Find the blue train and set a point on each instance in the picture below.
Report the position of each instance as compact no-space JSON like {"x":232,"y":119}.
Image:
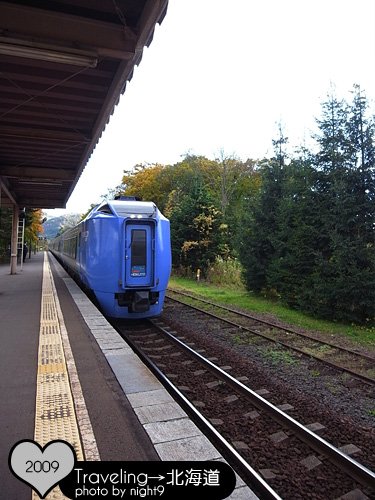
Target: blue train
{"x":121,"y":252}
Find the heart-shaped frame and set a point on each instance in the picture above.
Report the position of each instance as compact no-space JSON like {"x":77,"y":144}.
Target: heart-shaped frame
{"x":28,"y":445}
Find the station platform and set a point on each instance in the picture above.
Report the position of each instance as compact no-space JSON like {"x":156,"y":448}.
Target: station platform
{"x":66,"y":374}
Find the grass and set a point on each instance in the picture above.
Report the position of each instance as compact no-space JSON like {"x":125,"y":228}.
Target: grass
{"x":253,"y":303}
{"x":321,"y":349}
{"x":243,"y":339}
{"x":277,"y":356}
{"x":332,"y":387}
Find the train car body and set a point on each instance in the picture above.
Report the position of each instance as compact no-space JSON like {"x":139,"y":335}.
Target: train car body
{"x":122,"y":253}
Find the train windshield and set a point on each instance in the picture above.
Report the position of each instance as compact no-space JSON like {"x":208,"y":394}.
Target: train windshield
{"x":138,"y":252}
{"x":128,"y":208}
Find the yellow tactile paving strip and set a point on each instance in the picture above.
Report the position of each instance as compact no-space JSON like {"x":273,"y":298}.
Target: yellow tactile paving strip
{"x":56,"y":411}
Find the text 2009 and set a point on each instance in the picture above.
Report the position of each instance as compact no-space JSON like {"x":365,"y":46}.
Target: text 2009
{"x":39,"y":466}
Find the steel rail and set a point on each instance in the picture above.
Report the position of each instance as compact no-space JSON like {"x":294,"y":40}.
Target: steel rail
{"x":252,"y":478}
{"x":365,"y":379}
{"x":274,"y":325}
{"x":353,"y":468}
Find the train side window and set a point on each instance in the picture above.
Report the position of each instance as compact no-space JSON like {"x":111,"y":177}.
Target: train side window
{"x":138,"y":252}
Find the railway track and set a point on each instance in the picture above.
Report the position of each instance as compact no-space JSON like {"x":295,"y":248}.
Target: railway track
{"x":356,"y":364}
{"x":274,"y":453}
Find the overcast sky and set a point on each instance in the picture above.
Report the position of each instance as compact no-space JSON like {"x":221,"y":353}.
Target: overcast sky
{"x":219,"y":75}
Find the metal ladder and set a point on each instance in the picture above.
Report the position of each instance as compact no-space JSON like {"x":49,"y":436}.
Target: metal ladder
{"x":20,"y":239}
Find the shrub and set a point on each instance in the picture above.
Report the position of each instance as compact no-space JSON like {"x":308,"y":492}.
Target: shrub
{"x":226,"y":272}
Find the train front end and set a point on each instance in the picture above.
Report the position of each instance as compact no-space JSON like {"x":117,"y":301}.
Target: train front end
{"x":134,"y":277}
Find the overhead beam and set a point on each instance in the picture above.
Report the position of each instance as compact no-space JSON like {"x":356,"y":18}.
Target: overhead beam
{"x":44,"y":134}
{"x":7,"y":191}
{"x":43,"y":203}
{"x":92,"y":86}
{"x":108,"y":39}
{"x":5,"y":202}
{"x":37,"y":173}
{"x":58,"y":94}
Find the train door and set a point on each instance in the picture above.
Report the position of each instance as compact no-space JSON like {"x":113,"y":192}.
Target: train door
{"x":139,"y":255}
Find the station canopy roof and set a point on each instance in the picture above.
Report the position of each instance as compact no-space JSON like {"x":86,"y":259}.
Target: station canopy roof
{"x":63,"y":66}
